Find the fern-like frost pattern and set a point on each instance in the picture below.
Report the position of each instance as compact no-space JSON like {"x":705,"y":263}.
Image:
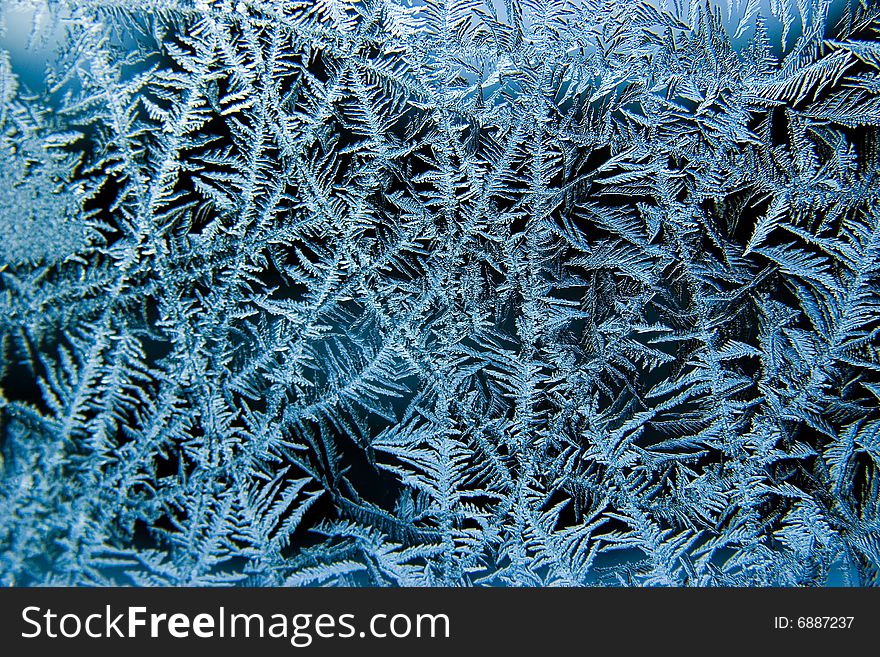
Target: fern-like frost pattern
{"x":443,"y":292}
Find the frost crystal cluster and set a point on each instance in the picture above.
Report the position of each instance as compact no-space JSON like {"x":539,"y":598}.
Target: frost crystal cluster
{"x":453,"y":292}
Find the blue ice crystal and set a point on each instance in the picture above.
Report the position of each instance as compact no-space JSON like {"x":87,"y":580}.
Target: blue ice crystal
{"x":466,"y":292}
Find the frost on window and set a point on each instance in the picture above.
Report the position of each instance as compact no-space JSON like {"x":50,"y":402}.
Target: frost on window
{"x":471,"y":292}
